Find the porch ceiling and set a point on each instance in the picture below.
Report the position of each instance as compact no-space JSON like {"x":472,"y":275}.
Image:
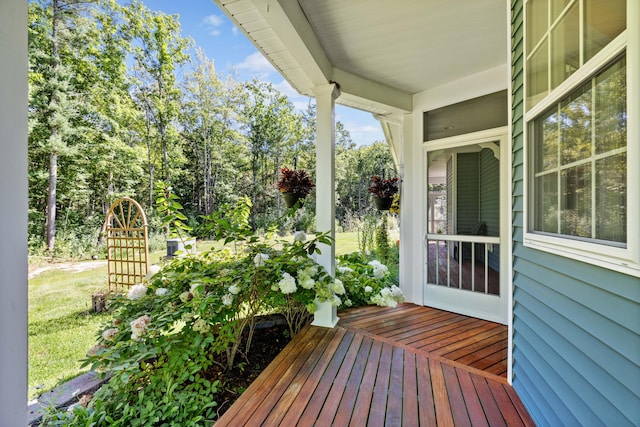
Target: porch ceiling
{"x":380,"y":52}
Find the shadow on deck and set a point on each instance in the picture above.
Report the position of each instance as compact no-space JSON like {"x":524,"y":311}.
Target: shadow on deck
{"x":407,"y":366}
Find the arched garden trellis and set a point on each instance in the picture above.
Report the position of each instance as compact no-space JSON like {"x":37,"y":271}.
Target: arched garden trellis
{"x":126,"y":229}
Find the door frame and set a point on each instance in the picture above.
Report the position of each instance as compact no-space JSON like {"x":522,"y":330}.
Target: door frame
{"x":498,"y":309}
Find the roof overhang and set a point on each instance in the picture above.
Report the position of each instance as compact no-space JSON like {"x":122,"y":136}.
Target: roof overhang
{"x":379,"y":53}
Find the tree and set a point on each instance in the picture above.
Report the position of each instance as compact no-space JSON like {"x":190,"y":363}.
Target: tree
{"x":357,"y":167}
{"x":158,"y":52}
{"x":55,"y":93}
{"x":273,"y":129}
{"x":215,"y":148}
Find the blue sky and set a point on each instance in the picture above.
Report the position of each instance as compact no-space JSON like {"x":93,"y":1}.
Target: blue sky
{"x":234,"y":55}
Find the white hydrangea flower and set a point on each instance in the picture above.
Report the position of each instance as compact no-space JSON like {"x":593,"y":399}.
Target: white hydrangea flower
{"x":260,"y":259}
{"x":153,"y":270}
{"x":299,"y":236}
{"x":312,"y":270}
{"x":161,"y":291}
{"x":385,"y":298}
{"x":234,"y":289}
{"x":288,"y":284}
{"x":95,"y":350}
{"x":139,"y":327}
{"x":109,"y":334}
{"x":335,"y":301}
{"x":379,"y":269}
{"x":396,"y":292}
{"x":368,"y":289}
{"x":227,"y":299}
{"x":200,"y":326}
{"x":185,"y":296}
{"x":344,"y":269}
{"x":194,"y":288}
{"x":307,"y":282}
{"x":338,"y":287}
{"x":137,"y":291}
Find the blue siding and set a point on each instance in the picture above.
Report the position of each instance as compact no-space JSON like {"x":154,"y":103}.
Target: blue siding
{"x":576,"y":326}
{"x":490,"y":201}
{"x":467,"y":195}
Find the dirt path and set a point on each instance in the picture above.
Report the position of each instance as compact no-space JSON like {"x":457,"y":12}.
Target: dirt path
{"x":75,"y":267}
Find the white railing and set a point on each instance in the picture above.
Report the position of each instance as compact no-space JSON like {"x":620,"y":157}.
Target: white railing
{"x":456,"y":253}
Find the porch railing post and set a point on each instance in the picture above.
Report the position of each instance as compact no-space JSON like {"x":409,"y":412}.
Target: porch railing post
{"x":326,"y":315}
{"x":13,"y":227}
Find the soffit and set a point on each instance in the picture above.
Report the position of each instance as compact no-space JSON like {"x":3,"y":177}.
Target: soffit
{"x":411,"y":45}
{"x":380,"y":52}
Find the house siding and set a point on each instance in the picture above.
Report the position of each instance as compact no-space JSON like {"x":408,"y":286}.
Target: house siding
{"x":576,"y":327}
{"x":490,"y":201}
{"x":450,"y":213}
{"x":467,"y":192}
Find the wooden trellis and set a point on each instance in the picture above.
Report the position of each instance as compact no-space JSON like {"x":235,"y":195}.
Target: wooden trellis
{"x":126,"y":230}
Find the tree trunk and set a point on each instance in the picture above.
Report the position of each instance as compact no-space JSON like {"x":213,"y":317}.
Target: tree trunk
{"x":51,"y":203}
{"x":53,"y":158}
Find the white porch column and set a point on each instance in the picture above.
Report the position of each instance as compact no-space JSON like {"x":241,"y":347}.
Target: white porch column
{"x":13,"y":227}
{"x":412,"y":204}
{"x":326,"y":315}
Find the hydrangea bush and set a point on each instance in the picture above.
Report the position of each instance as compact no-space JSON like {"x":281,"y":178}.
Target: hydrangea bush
{"x":172,"y":336}
{"x":367,"y":281}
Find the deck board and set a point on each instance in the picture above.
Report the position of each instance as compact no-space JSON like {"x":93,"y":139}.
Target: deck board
{"x":360,"y":374}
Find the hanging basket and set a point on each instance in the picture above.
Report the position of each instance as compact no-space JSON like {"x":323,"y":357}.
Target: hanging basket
{"x":383,"y":203}
{"x":290,"y":199}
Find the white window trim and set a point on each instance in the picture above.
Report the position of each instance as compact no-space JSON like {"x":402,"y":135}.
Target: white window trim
{"x":623,"y":260}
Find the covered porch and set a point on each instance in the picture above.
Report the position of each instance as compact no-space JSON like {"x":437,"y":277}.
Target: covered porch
{"x":408,"y":365}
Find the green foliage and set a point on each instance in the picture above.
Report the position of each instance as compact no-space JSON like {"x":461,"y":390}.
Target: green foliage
{"x":354,"y":168}
{"x":366,"y":233}
{"x":382,"y":239}
{"x":169,"y":207}
{"x":367,"y":281}
{"x":107,"y":109}
{"x":170,"y":336}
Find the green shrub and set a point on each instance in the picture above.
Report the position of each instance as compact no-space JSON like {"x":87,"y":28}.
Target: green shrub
{"x":367,"y":281}
{"x":382,"y":239}
{"x":172,"y":338}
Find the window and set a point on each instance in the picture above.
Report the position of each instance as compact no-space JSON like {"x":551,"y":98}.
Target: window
{"x":579,"y":161}
{"x":555,"y":49}
{"x":577,"y":131}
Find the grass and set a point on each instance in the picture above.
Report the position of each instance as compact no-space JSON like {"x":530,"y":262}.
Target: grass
{"x":62,"y":326}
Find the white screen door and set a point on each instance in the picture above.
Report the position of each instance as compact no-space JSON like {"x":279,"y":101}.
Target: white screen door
{"x":465,"y":244}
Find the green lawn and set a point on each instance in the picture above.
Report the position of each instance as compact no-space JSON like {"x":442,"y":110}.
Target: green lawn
{"x":62,"y":326}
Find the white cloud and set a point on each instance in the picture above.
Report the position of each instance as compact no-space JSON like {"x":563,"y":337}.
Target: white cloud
{"x":286,"y":89}
{"x":256,"y":65}
{"x":362,"y":127}
{"x":213,"y":23}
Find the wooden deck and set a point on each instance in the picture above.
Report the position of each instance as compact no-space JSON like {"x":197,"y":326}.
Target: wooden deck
{"x":407,"y":366}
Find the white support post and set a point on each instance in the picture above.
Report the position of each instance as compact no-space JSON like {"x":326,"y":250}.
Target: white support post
{"x":13,"y":227}
{"x":326,"y":315}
